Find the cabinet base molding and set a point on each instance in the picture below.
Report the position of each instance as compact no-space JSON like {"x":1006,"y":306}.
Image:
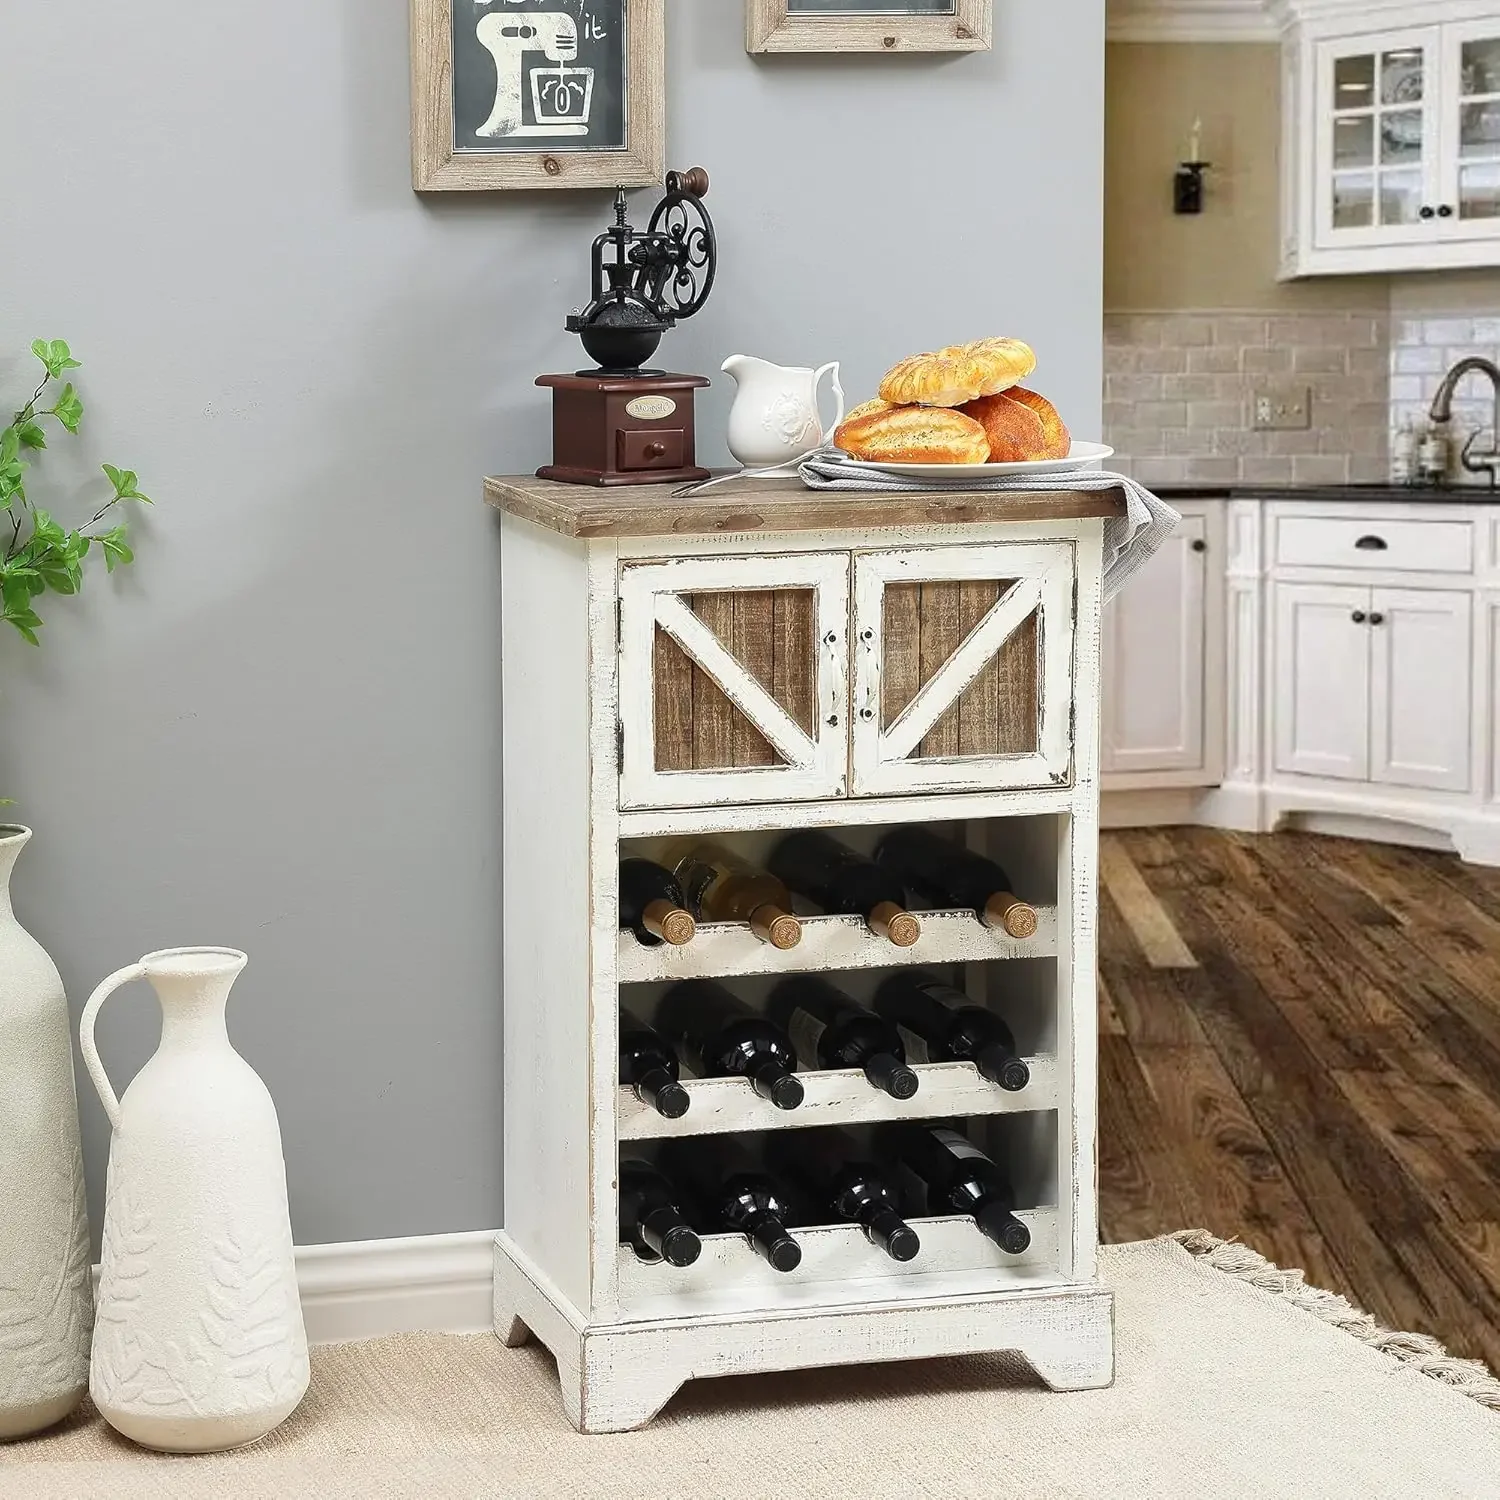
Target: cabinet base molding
{"x":1235,"y":805}
{"x":617,"y":1377}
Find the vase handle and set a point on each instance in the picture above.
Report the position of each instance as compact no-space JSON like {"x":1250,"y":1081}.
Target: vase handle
{"x":86,"y":1039}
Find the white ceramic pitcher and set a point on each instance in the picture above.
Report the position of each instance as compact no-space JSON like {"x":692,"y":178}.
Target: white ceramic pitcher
{"x":774,"y":419}
{"x":198,"y":1336}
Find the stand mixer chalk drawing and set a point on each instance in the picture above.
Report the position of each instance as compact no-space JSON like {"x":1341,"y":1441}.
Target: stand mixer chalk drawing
{"x":561,"y":96}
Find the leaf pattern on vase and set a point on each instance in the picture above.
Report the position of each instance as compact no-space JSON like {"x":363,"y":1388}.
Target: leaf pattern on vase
{"x":46,"y":1307}
{"x":243,"y":1350}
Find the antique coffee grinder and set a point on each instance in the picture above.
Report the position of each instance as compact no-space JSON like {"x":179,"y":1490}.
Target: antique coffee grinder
{"x":619,"y":423}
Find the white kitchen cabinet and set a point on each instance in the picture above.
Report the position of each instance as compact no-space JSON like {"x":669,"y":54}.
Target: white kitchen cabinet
{"x":1391,"y":137}
{"x":1163,"y":661}
{"x":1421,"y":675}
{"x":1321,"y":680}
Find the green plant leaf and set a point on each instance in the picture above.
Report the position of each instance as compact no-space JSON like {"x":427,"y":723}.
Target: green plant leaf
{"x":31,"y":435}
{"x":115,"y":548}
{"x":10,"y":445}
{"x":26,"y":620}
{"x":68,"y":408}
{"x":55,"y":355}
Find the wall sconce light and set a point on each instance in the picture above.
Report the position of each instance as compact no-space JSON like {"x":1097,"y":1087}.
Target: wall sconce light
{"x":1187,"y":183}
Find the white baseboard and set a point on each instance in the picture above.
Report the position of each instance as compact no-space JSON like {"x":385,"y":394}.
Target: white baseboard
{"x":365,"y":1289}
{"x":440,"y":1283}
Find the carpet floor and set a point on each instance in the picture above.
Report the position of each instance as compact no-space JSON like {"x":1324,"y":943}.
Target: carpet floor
{"x":1231,"y":1381}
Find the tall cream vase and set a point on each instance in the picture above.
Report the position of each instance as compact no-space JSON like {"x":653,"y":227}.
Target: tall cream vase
{"x":45,"y":1293}
{"x":198,"y":1342}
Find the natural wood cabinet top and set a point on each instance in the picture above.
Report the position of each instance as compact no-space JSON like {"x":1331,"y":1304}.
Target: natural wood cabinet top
{"x":773,"y":505}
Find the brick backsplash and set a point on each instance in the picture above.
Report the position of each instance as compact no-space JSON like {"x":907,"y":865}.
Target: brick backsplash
{"x":1423,"y":347}
{"x":1179,"y":395}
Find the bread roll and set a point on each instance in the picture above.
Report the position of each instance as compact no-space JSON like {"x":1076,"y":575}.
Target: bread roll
{"x":913,"y":435}
{"x":1059,"y":440}
{"x":1013,"y":431}
{"x":959,"y":373}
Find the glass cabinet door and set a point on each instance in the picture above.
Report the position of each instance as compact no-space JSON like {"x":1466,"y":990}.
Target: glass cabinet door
{"x":1377,"y":150}
{"x":1470,"y":206}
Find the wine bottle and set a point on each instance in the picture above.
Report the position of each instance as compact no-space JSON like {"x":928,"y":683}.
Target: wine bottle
{"x":733,"y":1194}
{"x":944,"y":873}
{"x":956,"y":1177}
{"x":838,"y":1179}
{"x":719,"y":1036}
{"x":838,"y":879}
{"x":834,"y":1030}
{"x":651,"y":904}
{"x":939,"y":1023}
{"x":651,"y":1222}
{"x":719,"y":886}
{"x":649,"y":1066}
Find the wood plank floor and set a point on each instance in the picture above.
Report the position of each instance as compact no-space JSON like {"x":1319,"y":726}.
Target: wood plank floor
{"x":1301,"y":1049}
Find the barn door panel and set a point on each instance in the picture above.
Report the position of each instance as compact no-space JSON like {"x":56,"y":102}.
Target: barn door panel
{"x":734,"y":680}
{"x":963,"y":668}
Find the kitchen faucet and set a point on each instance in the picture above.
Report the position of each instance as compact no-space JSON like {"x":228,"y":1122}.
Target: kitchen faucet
{"x":1485,"y":460}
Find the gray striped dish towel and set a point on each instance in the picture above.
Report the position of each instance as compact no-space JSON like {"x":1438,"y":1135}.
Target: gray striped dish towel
{"x":1129,"y":540}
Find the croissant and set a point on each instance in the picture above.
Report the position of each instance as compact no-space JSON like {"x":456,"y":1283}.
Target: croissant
{"x":912,"y":435}
{"x":958,"y":373}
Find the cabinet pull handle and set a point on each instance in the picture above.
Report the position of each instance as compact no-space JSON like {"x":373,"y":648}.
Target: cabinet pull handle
{"x":1425,"y":212}
{"x":1199,"y":545}
{"x":1358,"y":617}
{"x":1371,"y":544}
{"x":1377,"y":618}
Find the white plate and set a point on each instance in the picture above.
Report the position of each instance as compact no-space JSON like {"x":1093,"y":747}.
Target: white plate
{"x":1080,"y":457}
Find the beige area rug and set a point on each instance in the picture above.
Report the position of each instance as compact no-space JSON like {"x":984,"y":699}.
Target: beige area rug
{"x":1232,"y":1380}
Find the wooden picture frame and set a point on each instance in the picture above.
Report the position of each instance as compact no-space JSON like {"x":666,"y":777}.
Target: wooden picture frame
{"x":777,"y":26}
{"x":594,"y":115}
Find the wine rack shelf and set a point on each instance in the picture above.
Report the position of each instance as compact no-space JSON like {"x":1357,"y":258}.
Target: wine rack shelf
{"x":839,"y":1097}
{"x":855,"y":669}
{"x":724,"y":950}
{"x":838,"y":1260}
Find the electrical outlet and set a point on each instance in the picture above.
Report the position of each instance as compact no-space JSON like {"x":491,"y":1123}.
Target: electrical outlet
{"x":1284,"y":409}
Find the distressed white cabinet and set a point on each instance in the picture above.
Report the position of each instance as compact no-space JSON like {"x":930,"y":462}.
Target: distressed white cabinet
{"x":759,"y":659}
{"x":1391,"y":151}
{"x":1163,"y":662}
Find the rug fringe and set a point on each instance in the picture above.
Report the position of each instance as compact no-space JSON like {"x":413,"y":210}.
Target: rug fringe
{"x":1467,"y":1376}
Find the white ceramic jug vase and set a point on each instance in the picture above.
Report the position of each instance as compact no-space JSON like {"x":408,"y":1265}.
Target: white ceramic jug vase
{"x":45,"y":1291}
{"x":198,"y":1339}
{"x":774,"y":420}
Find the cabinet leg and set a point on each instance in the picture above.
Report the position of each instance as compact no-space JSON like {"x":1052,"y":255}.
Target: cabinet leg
{"x":1081,"y":1360}
{"x":512,"y":1331}
{"x":604,"y":1397}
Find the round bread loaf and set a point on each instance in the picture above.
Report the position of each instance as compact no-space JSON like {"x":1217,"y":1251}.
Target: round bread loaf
{"x":913,"y":435}
{"x":1013,"y":431}
{"x":959,"y":373}
{"x":1054,"y":430}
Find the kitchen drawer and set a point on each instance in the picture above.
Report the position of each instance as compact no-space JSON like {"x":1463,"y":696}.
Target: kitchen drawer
{"x":1375,"y":546}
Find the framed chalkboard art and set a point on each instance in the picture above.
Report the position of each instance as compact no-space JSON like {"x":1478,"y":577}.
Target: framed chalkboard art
{"x":536,"y":94}
{"x":872,"y":26}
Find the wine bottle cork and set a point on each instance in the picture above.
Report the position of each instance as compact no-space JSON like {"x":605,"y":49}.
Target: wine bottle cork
{"x":887,"y":920}
{"x":1012,"y":916}
{"x":670,"y":923}
{"x":777,"y":927}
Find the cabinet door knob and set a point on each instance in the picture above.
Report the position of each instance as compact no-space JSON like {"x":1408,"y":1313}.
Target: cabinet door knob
{"x":1377,"y":618}
{"x":1445,"y":211}
{"x":1358,"y":617}
{"x":1371,"y":544}
{"x":1199,"y":545}
{"x":655,"y":450}
{"x":1425,"y":212}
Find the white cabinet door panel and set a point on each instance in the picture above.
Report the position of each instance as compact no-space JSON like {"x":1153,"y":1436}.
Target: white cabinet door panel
{"x":1153,"y":661}
{"x":1421,"y":688}
{"x":1322,"y":680}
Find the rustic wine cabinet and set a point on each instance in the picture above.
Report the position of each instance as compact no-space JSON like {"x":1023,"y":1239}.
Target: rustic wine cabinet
{"x":756,"y":659}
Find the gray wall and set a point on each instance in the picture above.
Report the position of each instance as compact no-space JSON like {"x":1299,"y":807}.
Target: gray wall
{"x":280,"y":730}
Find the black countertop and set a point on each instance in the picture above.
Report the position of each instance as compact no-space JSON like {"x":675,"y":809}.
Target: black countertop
{"x":1369,"y":493}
